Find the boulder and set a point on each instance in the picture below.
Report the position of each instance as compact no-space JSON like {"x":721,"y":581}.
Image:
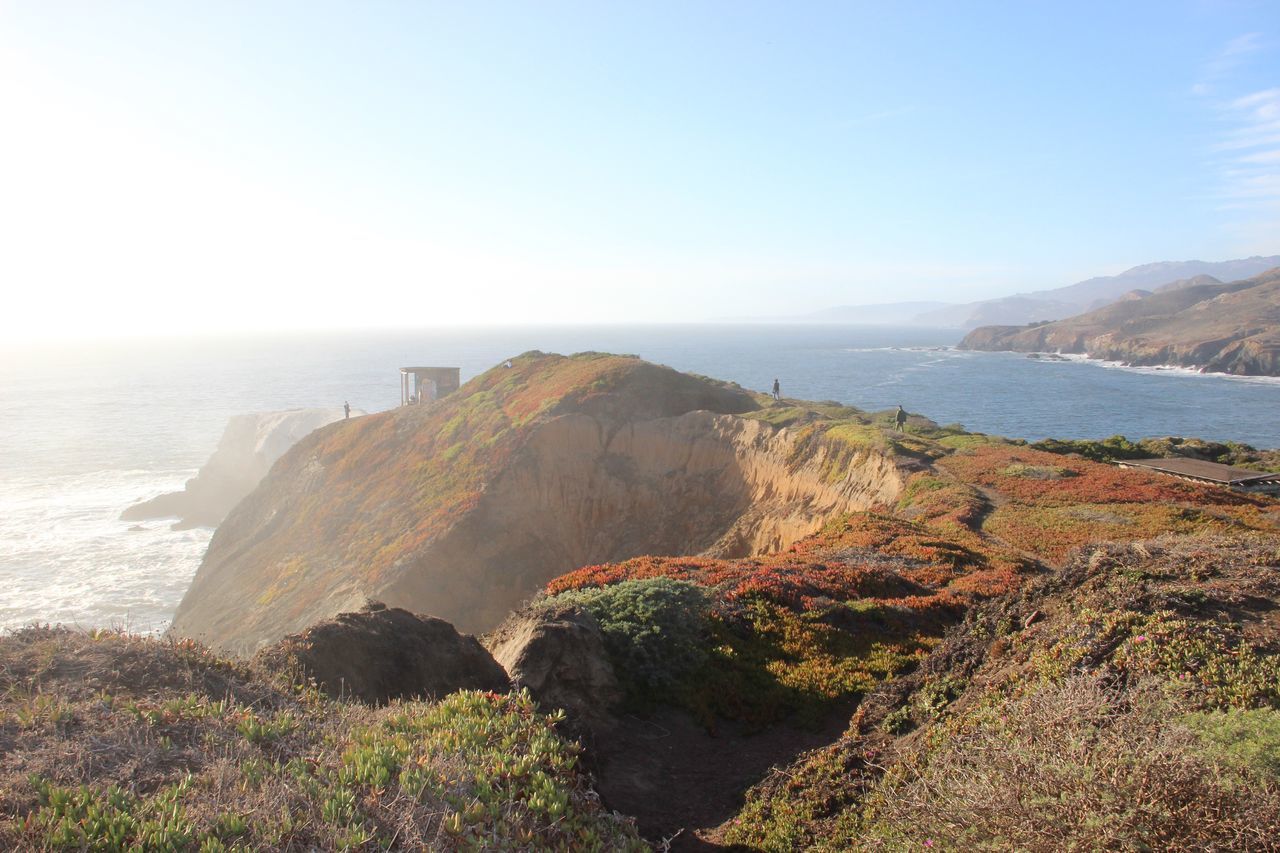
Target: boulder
{"x":558,"y":654}
{"x":380,"y":653}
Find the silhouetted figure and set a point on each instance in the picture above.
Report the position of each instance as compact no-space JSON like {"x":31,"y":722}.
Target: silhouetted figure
{"x":900,"y":418}
{"x":777,"y":390}
{"x":346,"y":410}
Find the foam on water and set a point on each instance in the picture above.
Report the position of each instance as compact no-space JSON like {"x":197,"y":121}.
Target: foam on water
{"x":1165,"y":369}
{"x":68,"y":558}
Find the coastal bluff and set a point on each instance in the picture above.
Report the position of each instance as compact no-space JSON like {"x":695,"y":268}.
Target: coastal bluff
{"x":249,"y":446}
{"x":466,"y":507}
{"x":1199,"y":323}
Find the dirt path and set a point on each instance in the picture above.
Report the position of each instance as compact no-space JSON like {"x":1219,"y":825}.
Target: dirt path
{"x":674,"y":777}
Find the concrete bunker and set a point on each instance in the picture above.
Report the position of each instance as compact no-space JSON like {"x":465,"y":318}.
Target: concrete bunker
{"x":424,"y":384}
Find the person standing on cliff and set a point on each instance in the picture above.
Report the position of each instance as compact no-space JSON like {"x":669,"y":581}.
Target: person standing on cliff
{"x":900,"y":419}
{"x":777,"y":390}
{"x":346,"y":410}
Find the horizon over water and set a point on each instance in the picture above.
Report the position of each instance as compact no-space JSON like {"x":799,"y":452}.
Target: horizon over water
{"x":90,"y":429}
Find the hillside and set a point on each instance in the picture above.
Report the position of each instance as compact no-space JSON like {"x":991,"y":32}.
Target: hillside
{"x":465,"y":507}
{"x":113,"y":742}
{"x":1090,"y":294}
{"x":1225,"y":328}
{"x":772,"y":624}
{"x":805,"y":634}
{"x":1128,"y":701}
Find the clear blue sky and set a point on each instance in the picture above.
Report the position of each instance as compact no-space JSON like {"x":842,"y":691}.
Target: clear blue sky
{"x":235,"y":165}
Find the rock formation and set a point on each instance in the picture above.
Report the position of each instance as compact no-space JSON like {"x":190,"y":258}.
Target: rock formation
{"x":558,"y":653}
{"x":1201,"y":323}
{"x":249,"y":446}
{"x":380,"y":653}
{"x":464,"y":508}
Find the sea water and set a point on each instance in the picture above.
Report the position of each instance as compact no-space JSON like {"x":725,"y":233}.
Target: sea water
{"x":87,"y":430}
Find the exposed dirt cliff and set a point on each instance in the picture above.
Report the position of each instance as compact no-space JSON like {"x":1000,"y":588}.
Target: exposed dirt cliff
{"x":465,"y":508}
{"x":1222,"y":328}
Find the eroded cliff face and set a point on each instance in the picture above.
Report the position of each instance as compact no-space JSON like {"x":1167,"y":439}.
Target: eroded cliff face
{"x":465,"y":509}
{"x":586,"y":491}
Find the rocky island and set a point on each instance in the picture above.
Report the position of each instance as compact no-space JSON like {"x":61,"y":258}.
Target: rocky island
{"x":1199,"y":323}
{"x":706,"y":619}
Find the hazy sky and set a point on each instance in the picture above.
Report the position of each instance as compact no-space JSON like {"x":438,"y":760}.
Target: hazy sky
{"x":182,"y":166}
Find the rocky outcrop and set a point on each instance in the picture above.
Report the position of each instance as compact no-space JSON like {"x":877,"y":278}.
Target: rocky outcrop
{"x":1201,"y":323}
{"x":380,"y":653}
{"x":467,"y":507}
{"x":558,"y":654}
{"x":249,"y":446}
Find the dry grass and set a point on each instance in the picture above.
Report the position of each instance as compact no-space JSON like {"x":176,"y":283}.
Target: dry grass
{"x":114,"y":742}
{"x":1076,"y":765}
{"x":1130,"y":698}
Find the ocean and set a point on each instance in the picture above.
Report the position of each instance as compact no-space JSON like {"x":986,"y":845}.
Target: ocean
{"x":89,"y":429}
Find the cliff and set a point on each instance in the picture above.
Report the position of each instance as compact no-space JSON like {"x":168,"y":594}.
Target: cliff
{"x":249,"y":446}
{"x":1200,"y":323}
{"x":893,"y":639}
{"x":464,"y":508}
{"x":805,"y":633}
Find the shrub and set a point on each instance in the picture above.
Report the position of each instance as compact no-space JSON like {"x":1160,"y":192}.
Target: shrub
{"x":1248,"y":738}
{"x":1106,"y":450}
{"x":653,"y":628}
{"x":1087,"y":766}
{"x":140,"y":744}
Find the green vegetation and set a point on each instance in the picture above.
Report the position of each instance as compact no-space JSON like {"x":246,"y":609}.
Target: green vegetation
{"x":1246,"y":738}
{"x":734,"y":650}
{"x":124,"y":746}
{"x":1087,"y":765}
{"x":1118,"y":447}
{"x":1018,"y":684}
{"x":1127,"y":701}
{"x":655,"y":629}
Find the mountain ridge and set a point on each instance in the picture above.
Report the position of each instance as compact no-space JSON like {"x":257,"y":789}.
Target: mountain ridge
{"x":1050,"y":304}
{"x":1198,"y":323}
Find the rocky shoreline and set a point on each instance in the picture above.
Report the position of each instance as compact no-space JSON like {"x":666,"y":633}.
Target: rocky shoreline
{"x":1206,"y":325}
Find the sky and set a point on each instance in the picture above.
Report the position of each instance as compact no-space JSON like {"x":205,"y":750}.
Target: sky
{"x":182,"y":167}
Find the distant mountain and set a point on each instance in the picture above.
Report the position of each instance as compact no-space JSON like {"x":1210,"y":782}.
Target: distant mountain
{"x":1054,"y":304}
{"x":1091,"y":294}
{"x":1187,"y":282}
{"x":1199,"y":322}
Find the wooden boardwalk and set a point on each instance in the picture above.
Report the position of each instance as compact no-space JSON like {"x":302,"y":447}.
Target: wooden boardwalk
{"x":1199,"y":471}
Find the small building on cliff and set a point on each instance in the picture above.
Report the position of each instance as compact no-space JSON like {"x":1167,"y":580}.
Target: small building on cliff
{"x":424,"y":384}
{"x":1212,"y":473}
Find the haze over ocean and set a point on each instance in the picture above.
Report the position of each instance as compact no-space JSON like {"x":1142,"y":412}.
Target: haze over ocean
{"x":88,"y":431}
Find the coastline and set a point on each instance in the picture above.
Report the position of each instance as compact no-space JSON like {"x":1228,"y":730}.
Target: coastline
{"x":1152,"y":370}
